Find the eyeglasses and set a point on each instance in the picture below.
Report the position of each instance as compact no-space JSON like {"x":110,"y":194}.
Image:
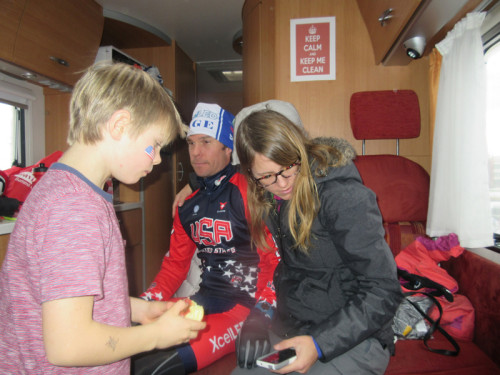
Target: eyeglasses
{"x":268,"y":180}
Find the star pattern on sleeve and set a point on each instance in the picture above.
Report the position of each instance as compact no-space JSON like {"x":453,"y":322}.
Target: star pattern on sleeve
{"x":240,"y":276}
{"x":159,"y":296}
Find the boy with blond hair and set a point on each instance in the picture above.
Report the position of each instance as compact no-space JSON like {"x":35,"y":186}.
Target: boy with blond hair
{"x":64,"y":304}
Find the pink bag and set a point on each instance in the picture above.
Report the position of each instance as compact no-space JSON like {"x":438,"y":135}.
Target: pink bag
{"x":422,"y":257}
{"x":458,"y":317}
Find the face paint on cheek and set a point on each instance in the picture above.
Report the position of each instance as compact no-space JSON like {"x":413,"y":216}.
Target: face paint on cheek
{"x":150,"y":151}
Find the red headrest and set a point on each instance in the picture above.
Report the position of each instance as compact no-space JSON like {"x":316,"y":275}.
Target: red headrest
{"x":385,"y":114}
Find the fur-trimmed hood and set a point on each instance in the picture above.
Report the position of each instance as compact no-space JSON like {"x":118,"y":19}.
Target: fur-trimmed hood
{"x":345,"y":168}
{"x":347,"y":152}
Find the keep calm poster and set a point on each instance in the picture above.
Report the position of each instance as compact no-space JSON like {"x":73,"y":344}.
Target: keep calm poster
{"x":312,"y":49}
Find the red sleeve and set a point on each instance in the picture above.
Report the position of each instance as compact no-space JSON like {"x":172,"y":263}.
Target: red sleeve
{"x":175,"y":265}
{"x":268,"y":261}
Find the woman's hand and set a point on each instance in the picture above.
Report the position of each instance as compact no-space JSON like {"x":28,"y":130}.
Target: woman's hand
{"x":306,"y":351}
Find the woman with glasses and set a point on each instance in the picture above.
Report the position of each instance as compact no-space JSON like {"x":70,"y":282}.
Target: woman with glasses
{"x":336,"y":285}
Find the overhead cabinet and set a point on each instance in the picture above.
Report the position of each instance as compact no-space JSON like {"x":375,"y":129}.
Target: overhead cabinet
{"x":58,"y":39}
{"x":385,"y":20}
{"x":392,"y":23}
{"x":11,"y":12}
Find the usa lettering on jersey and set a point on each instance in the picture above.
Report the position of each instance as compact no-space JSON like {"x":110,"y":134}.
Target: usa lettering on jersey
{"x":209,"y":232}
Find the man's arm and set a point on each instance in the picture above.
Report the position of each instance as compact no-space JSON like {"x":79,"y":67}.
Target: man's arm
{"x":175,"y":265}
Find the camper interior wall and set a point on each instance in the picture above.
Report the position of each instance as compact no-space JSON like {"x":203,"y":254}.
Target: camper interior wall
{"x":324,"y":105}
{"x":35,"y":118}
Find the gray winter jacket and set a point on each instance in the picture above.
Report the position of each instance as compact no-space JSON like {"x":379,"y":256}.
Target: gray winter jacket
{"x":346,"y":290}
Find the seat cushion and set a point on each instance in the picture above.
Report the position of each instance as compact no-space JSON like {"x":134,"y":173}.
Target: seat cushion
{"x":412,"y":357}
{"x":478,"y":280}
{"x":401,"y":186}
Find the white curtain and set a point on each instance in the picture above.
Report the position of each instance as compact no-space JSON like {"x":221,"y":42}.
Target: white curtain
{"x":459,"y":192}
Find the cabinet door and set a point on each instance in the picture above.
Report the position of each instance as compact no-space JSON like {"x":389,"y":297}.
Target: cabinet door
{"x":4,"y":241}
{"x":131,"y":227}
{"x":258,"y":51}
{"x":59,"y":38}
{"x":10,"y":17}
{"x":384,"y":33}
{"x":56,"y":120}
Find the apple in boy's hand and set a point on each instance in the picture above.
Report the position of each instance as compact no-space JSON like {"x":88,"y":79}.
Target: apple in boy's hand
{"x":194,"y":311}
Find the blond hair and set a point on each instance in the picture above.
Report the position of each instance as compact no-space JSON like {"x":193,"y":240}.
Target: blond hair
{"x":106,"y":88}
{"x":274,"y":136}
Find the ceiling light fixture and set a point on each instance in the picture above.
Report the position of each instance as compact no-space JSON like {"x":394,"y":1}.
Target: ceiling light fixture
{"x":415,"y":47}
{"x":233,"y":75}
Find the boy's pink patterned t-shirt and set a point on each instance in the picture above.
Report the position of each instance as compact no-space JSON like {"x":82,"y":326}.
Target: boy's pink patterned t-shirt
{"x":66,"y":243}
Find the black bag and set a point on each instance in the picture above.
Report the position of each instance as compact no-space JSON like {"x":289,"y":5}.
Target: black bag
{"x":416,"y":282}
{"x":8,"y":206}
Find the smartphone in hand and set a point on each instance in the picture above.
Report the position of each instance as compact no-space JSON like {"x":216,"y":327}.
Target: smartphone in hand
{"x":277,"y":359}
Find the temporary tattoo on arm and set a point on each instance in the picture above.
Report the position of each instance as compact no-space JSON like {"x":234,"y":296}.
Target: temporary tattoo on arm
{"x":112,"y":343}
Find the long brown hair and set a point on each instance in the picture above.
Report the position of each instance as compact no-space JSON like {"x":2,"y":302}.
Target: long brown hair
{"x":272,"y":135}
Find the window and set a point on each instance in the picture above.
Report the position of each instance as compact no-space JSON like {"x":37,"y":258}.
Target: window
{"x":491,"y":39}
{"x":12,"y":143}
{"x":493,"y":129}
{"x":22,"y":122}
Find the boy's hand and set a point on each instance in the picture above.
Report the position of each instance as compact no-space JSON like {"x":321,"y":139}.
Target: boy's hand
{"x":154,"y":311}
{"x":306,"y":351}
{"x":173,"y":329}
{"x":194,"y":311}
{"x":144,"y":312}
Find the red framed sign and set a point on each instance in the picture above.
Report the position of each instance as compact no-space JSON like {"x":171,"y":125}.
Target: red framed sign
{"x":312,"y":49}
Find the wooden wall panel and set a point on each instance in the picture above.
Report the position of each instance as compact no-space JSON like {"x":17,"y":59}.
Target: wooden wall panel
{"x":324,"y":105}
{"x":56,"y":120}
{"x":251,"y":50}
{"x":258,"y":45}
